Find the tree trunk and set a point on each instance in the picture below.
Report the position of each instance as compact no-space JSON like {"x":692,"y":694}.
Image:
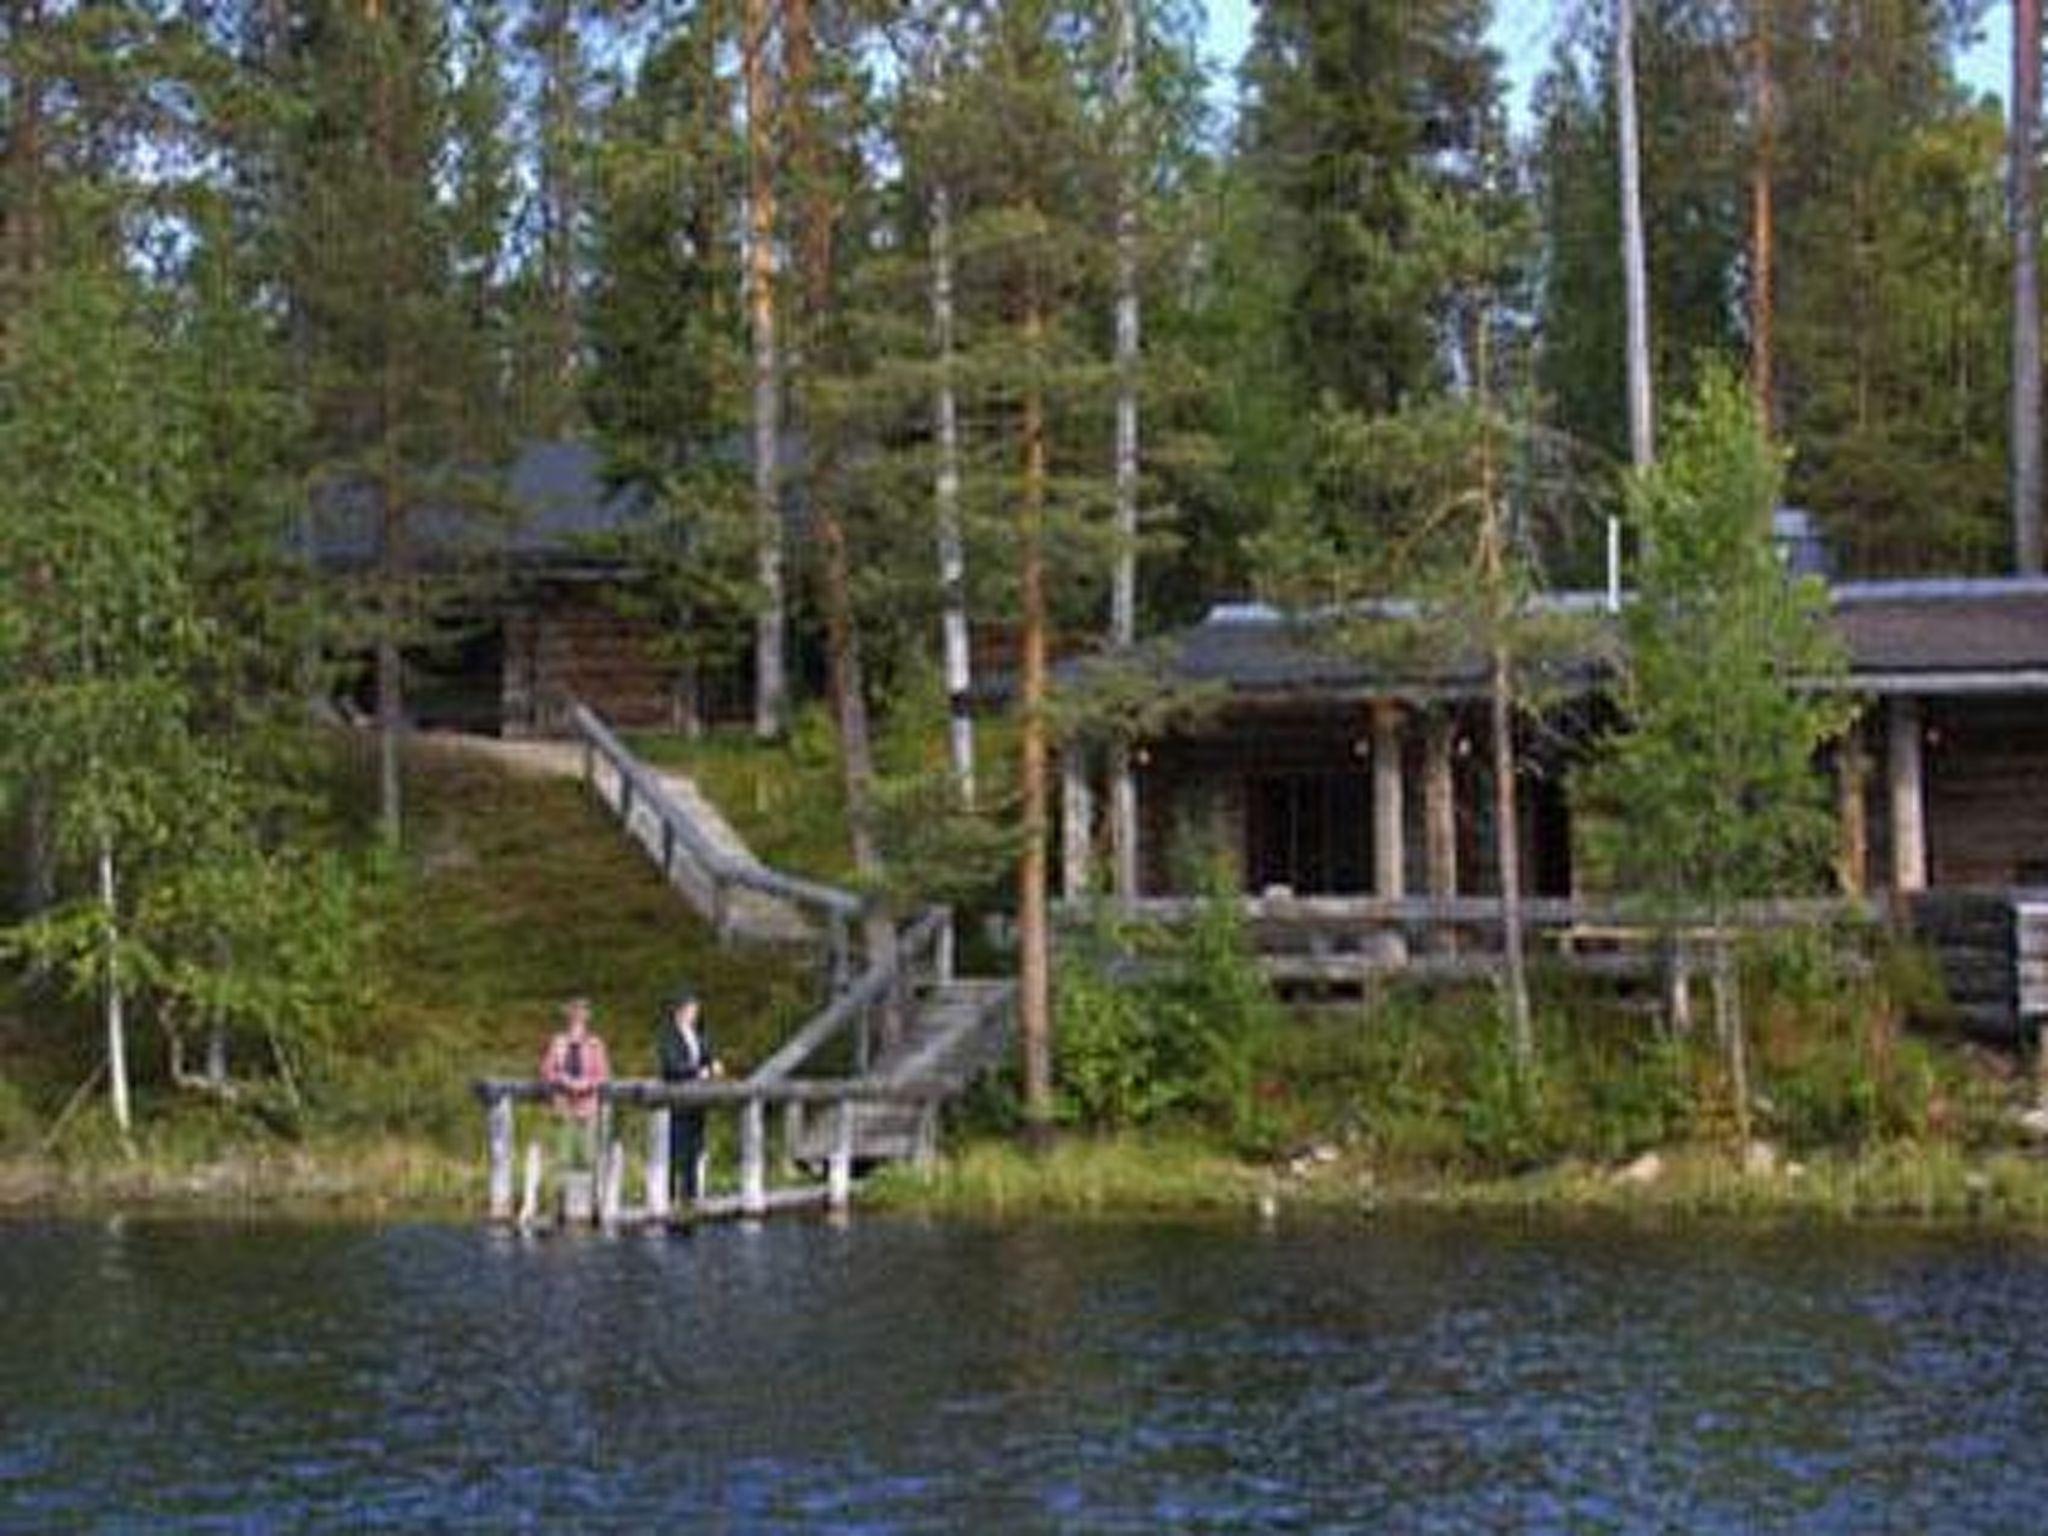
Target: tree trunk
{"x":842,"y":635}
{"x":393,"y":556}
{"x":390,"y":726}
{"x":1507,"y":833}
{"x":561,"y":97}
{"x":1634,"y":275}
{"x":1763,"y":168}
{"x":2023,"y":155}
{"x":21,"y":200}
{"x":1728,"y":1026}
{"x":1123,"y":610}
{"x":771,"y":682}
{"x":393,"y":564}
{"x":21,"y":260}
{"x":1501,"y":615}
{"x":1123,"y":799}
{"x":37,"y":890}
{"x":1034,"y":936}
{"x":117,"y":1026}
{"x":946,"y":503}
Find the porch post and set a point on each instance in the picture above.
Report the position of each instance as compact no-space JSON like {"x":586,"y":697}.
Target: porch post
{"x":1439,"y":805}
{"x":1852,"y":775}
{"x":1123,"y":822}
{"x":1077,"y":822}
{"x":1906,"y":769}
{"x":1389,"y":852}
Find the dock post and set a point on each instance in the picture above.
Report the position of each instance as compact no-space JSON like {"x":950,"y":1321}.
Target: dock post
{"x":792,"y":1134}
{"x":529,"y":1198}
{"x":498,"y":1125}
{"x":657,"y":1163}
{"x":839,"y":1182}
{"x":611,"y":1185}
{"x":753,"y":1158}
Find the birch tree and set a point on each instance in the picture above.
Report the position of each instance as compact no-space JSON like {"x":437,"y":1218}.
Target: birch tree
{"x":2023,"y":166}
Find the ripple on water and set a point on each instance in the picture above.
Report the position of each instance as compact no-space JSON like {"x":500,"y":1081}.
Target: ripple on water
{"x":1414,"y":1376}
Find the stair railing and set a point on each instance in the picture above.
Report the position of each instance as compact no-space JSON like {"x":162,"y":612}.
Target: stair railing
{"x":707,"y":875}
{"x":924,"y":951}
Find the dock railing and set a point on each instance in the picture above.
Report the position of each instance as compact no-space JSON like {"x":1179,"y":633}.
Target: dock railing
{"x":516,"y":1190}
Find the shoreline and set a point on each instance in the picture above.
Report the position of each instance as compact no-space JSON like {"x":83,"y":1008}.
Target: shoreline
{"x":1130,"y":1178}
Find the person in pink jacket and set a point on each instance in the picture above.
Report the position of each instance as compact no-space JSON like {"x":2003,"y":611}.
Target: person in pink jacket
{"x":574,"y":1067}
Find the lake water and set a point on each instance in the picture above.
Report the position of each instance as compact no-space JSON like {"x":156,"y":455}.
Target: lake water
{"x":895,"y":1376}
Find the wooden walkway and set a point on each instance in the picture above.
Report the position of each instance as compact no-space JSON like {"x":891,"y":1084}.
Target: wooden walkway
{"x":862,"y":1083}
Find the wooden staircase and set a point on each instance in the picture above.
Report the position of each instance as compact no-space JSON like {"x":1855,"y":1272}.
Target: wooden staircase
{"x":957,"y":1030}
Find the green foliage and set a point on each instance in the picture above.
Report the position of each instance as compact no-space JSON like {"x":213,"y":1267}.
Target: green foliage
{"x":1361,"y":119}
{"x":1725,"y":704}
{"x":1688,"y":92}
{"x":1152,"y":1025}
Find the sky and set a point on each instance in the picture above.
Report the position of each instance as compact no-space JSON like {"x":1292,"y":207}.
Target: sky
{"x":1525,"y":31}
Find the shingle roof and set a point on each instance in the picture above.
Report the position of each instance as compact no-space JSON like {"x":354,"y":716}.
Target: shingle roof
{"x":556,"y":505}
{"x":1896,"y":632}
{"x":1949,"y":626}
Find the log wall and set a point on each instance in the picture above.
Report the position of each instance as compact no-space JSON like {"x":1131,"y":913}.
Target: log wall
{"x":1987,"y":792}
{"x":568,"y":641}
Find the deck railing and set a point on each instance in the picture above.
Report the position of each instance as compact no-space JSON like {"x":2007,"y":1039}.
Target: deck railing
{"x":1314,"y":939}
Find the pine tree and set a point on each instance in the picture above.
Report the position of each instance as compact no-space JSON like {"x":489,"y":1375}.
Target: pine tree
{"x":1892,"y":321}
{"x":399,"y":370}
{"x":1688,"y":92}
{"x":667,"y":389}
{"x":1358,"y":115}
{"x":759,"y":23}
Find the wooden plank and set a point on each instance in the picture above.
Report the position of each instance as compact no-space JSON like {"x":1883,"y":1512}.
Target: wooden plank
{"x":611,"y":1185}
{"x":797,"y":1197}
{"x":529,"y":1198}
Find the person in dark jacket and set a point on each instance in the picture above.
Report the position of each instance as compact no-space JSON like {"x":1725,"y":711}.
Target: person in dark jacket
{"x":684,"y":1054}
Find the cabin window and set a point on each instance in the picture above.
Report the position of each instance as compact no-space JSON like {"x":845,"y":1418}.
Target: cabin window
{"x":1311,"y":832}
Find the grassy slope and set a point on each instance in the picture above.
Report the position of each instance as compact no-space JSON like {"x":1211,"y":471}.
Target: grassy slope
{"x":515,"y":892}
{"x":521,"y":893}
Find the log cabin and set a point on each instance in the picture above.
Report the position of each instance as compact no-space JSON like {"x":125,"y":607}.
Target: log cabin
{"x":1324,"y":772}
{"x":543,"y":610}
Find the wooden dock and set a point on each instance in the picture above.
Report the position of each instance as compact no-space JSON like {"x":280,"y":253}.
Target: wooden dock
{"x":630,"y":1184}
